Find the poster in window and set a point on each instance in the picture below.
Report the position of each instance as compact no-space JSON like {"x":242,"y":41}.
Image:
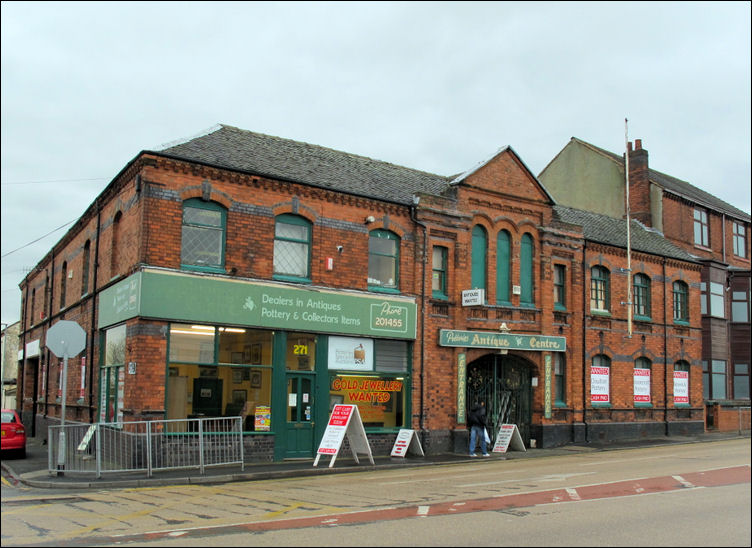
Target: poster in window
{"x":641,"y":385}
{"x":599,"y":384}
{"x":681,"y":387}
{"x":256,"y":354}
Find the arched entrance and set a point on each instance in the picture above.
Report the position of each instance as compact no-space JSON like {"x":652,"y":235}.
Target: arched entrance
{"x":504,"y":383}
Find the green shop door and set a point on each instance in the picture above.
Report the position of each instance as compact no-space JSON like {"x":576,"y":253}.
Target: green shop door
{"x":299,"y":424}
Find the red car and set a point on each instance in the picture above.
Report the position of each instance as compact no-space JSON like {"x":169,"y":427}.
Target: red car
{"x":14,"y":433}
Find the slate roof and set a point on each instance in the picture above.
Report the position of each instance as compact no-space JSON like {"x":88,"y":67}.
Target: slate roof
{"x":677,"y":186}
{"x":232,"y":148}
{"x":610,"y":231}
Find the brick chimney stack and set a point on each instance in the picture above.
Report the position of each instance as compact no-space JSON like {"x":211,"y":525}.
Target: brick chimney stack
{"x":639,"y":183}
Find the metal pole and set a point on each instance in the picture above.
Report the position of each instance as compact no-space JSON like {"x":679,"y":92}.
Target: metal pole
{"x":629,"y":238}
{"x":61,"y":447}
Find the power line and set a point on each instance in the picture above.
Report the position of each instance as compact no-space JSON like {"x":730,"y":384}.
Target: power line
{"x":51,"y":181}
{"x":40,"y":238}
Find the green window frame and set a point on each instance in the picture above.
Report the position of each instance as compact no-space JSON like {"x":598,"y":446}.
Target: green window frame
{"x":526,"y":271}
{"x":560,"y":379}
{"x":681,"y":302}
{"x":479,"y":257}
{"x":641,"y":296}
{"x":560,"y":287}
{"x":112,"y":361}
{"x":600,"y":289}
{"x":203,"y":236}
{"x":439,"y":272}
{"x":292,"y":248}
{"x":383,"y":261}
{"x":503,"y":266}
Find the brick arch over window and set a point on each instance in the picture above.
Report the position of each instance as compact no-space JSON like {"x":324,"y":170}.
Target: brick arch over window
{"x":294,"y":207}
{"x":206,"y":193}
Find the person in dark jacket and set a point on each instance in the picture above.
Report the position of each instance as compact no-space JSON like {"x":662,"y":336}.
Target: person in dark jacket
{"x":477,"y":421}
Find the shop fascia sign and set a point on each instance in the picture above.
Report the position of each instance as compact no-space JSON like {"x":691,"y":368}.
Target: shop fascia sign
{"x":186,"y":297}
{"x":501,"y":341}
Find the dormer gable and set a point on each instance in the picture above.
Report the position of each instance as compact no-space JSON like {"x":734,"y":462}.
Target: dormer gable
{"x":505,"y":173}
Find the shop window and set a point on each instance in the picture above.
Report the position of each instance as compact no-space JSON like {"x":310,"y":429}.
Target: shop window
{"x":681,"y":383}
{"x":740,"y":240}
{"x":112,"y":375}
{"x":383,"y":261}
{"x":641,"y":297}
{"x":503,"y":267}
{"x":292,"y":248}
{"x":600,"y":291}
{"x":526,"y":270}
{"x":701,"y":228}
{"x":560,"y":379}
{"x":641,"y":382}
{"x":681,"y":302}
{"x":741,"y":381}
{"x":479,"y":258}
{"x":439,"y":273}
{"x":560,"y":281}
{"x":203,"y":235}
{"x":600,"y":380}
{"x":220,"y":371}
{"x":379,"y":389}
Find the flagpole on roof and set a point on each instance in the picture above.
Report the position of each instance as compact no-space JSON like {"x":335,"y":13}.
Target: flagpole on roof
{"x":629,"y":235}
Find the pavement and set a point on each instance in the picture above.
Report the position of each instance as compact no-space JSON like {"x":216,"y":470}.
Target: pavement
{"x":32,"y":471}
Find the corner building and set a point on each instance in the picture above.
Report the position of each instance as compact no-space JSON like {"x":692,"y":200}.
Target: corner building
{"x":236,"y":273}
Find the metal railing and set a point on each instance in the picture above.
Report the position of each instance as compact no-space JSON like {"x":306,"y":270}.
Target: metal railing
{"x":145,"y":446}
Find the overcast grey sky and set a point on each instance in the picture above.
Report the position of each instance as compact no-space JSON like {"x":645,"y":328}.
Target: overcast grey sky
{"x":432,"y":86}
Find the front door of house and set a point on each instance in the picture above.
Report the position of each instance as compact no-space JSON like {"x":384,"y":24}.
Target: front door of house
{"x":299,"y":423}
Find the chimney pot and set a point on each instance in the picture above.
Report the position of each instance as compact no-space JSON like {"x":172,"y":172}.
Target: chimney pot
{"x":638,"y":144}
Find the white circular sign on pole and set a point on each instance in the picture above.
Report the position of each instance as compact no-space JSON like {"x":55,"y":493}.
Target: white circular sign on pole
{"x":66,"y":339}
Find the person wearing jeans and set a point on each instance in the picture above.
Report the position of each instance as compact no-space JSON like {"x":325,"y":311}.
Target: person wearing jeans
{"x":477,"y":422}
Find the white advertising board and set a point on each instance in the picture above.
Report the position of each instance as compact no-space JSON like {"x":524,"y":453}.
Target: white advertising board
{"x":508,"y":436}
{"x":406,"y":442}
{"x":473,"y":297}
{"x":344,"y":421}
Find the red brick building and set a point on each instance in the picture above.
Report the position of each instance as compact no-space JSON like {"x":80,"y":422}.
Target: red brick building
{"x":236,"y":273}
{"x":715,"y":233}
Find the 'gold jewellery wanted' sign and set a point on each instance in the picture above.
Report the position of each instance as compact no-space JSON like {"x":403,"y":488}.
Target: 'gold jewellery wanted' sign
{"x":508,"y":341}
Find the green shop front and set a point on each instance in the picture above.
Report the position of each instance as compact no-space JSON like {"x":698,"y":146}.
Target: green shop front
{"x":280,"y":356}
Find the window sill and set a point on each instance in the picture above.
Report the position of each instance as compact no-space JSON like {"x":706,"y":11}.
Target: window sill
{"x":602,"y":405}
{"x":378,"y":289}
{"x":644,"y":405}
{"x":196,"y":268}
{"x":643,"y":318}
{"x":292,"y":279}
{"x":683,"y":323}
{"x":598,"y":312}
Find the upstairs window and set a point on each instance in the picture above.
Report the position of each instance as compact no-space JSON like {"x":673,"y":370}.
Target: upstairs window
{"x":203,"y":242}
{"x":600,"y":298}
{"x":740,"y":240}
{"x":383,"y":261}
{"x":560,"y":293}
{"x":739,"y":307}
{"x":681,"y":302}
{"x":85,"y":268}
{"x":63,"y":284}
{"x":292,"y":248}
{"x":526,"y":270}
{"x":439,"y":273}
{"x":641,"y":297}
{"x":479,"y":258}
{"x":503,"y":266}
{"x":701,"y":228}
{"x":712,"y":302}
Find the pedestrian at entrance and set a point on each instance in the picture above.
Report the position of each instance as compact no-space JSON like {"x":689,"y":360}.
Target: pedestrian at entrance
{"x":477,"y":422}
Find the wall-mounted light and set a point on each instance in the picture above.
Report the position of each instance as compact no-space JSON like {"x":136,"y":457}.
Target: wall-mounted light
{"x":340,"y":248}
{"x":370,"y":219}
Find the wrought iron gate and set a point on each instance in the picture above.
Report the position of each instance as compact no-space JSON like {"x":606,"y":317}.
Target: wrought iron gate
{"x":503,"y":382}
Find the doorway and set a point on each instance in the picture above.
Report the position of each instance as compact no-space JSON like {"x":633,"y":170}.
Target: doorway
{"x":504,"y":383}
{"x":300,"y":413}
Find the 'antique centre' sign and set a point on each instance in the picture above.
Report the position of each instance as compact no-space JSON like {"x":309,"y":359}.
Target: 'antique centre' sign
{"x":510,"y":341}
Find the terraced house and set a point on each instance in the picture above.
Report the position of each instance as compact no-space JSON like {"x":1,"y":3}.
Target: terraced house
{"x":236,"y":273}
